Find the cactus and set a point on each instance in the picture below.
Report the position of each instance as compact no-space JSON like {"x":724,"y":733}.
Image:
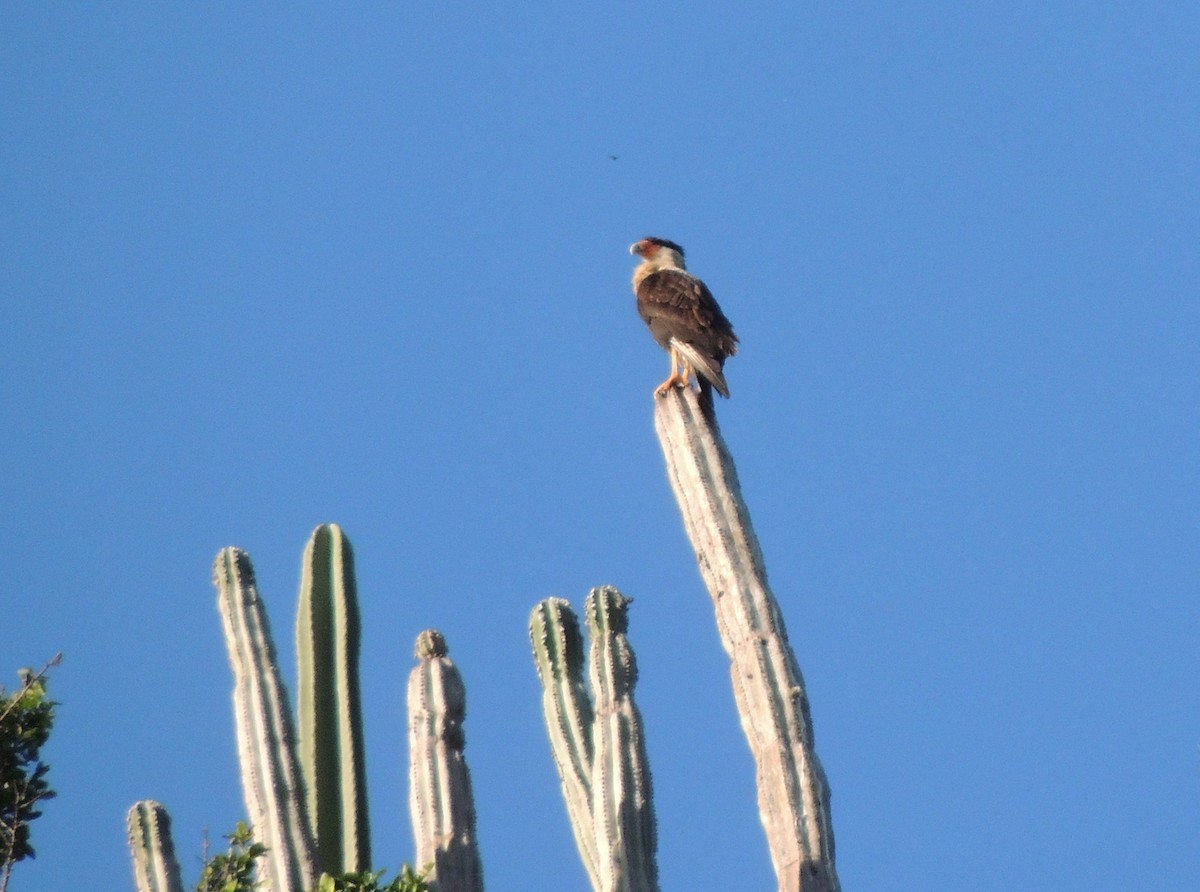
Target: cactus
{"x":330,"y":713}
{"x":597,"y":741}
{"x":622,"y":806}
{"x":793,"y":795}
{"x":599,"y":750}
{"x":155,"y":868}
{"x":440,"y":799}
{"x":567,"y":709}
{"x":271,"y":780}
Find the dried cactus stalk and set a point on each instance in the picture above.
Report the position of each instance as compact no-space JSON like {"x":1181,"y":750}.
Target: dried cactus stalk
{"x":793,"y":795}
{"x":567,"y":709}
{"x":271,"y":782}
{"x":622,"y":805}
{"x":155,"y":868}
{"x":330,"y":742}
{"x":440,"y":798}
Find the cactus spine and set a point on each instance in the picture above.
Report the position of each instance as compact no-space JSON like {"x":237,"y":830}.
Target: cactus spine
{"x":440,"y":798}
{"x":793,"y":795}
{"x":155,"y":868}
{"x":599,"y":751}
{"x":271,"y":780}
{"x":330,"y":711}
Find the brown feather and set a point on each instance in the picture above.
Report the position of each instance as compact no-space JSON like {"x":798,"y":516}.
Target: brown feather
{"x":678,"y":306}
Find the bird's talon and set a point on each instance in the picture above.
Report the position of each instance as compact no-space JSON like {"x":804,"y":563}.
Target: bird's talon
{"x":674,"y":381}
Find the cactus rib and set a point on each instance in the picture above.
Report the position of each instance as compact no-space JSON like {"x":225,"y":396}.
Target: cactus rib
{"x":793,"y":795}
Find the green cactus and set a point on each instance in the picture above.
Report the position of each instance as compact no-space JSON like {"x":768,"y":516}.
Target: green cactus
{"x":793,"y":794}
{"x":271,"y":781}
{"x":567,"y":709}
{"x":440,"y":798}
{"x":330,"y":713}
{"x":155,"y":868}
{"x":599,"y":749}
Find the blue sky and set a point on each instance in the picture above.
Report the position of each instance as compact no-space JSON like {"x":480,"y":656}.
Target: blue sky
{"x":265,"y":267}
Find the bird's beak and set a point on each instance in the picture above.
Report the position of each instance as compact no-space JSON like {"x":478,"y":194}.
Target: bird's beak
{"x":635,"y":248}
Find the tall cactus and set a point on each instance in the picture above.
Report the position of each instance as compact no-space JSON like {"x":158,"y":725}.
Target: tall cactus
{"x":599,"y":749}
{"x":330,"y":712}
{"x":622,"y":805}
{"x":793,"y":795}
{"x":155,"y":868}
{"x":271,"y":780}
{"x":440,"y":798}
{"x":567,"y":709}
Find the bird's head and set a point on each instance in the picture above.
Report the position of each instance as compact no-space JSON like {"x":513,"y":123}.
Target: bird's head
{"x":659,"y":253}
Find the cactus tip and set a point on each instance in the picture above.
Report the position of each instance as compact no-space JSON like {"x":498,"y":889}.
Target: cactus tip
{"x":431,"y":645}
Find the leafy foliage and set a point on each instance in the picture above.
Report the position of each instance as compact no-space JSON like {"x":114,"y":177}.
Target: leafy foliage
{"x":26,"y":717}
{"x":235,"y":871}
{"x":408,"y":880}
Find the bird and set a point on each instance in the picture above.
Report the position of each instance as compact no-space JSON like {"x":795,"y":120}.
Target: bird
{"x":683,"y":317}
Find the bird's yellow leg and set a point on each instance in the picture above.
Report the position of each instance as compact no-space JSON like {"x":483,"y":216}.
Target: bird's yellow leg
{"x":685,"y":374}
{"x":673,"y":380}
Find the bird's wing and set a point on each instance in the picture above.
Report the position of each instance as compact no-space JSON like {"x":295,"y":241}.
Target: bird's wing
{"x":677,"y":304}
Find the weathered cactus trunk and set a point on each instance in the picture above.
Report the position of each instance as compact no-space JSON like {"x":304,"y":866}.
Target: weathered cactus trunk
{"x":441,"y":803}
{"x":271,"y":782}
{"x":330,"y":712}
{"x":793,"y":796}
{"x":598,"y":748}
{"x":155,"y":868}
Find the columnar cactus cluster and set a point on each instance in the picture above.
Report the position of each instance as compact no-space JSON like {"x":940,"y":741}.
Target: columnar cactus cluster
{"x":306,"y":794}
{"x":598,"y":747}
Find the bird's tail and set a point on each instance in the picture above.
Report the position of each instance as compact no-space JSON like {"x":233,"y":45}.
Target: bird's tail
{"x":706,"y":399}
{"x":704,"y":367}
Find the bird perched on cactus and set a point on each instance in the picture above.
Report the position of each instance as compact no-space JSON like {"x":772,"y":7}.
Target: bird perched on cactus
{"x":683,"y":317}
